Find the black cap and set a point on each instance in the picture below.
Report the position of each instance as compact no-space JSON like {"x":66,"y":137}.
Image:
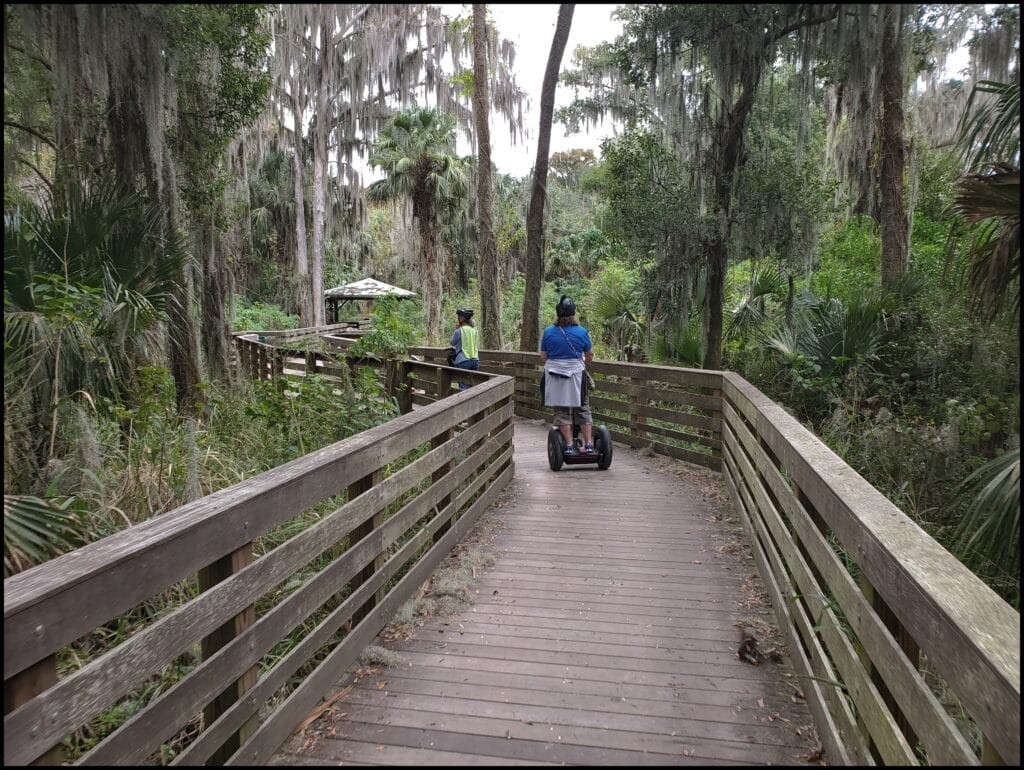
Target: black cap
{"x":464,"y":312}
{"x":565,"y":307}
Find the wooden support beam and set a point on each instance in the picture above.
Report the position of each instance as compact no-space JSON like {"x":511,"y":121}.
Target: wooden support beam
{"x":354,"y":490}
{"x":208,"y":577}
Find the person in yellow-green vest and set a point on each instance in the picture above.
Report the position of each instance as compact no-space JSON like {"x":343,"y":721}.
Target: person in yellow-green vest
{"x":466,"y":343}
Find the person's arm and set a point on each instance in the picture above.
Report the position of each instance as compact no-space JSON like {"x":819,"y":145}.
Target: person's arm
{"x":543,"y":357}
{"x":543,"y":352}
{"x":588,"y":351}
{"x":588,"y":357}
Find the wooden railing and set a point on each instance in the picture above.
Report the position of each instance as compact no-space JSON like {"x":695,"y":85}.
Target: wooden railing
{"x":394,"y":500}
{"x":672,"y":410}
{"x":276,"y":336}
{"x":889,"y":632}
{"x":879,"y":617}
{"x":885,"y":628}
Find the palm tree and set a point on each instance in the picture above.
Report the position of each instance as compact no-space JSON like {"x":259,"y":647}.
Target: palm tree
{"x":272,"y":248}
{"x":990,"y":204}
{"x":416,"y":151}
{"x":988,"y":200}
{"x":86,"y":292}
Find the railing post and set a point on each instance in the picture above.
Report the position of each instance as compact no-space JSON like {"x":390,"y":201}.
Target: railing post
{"x":310,"y":362}
{"x":404,"y":388}
{"x":241,"y":351}
{"x":906,"y":643}
{"x":208,"y":577}
{"x":263,"y":363}
{"x":444,"y":384}
{"x":355,"y":489}
{"x":250,"y":359}
{"x":636,"y":420}
{"x":716,"y":414}
{"x":27,"y":684}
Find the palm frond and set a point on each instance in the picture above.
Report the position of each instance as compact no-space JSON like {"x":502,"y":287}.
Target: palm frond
{"x":746,"y":317}
{"x":990,"y":202}
{"x":36,"y":530}
{"x":990,"y":128}
{"x":989,"y":533}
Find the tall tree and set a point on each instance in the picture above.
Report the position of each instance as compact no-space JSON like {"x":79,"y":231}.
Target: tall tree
{"x":155,"y":94}
{"x":348,"y":64}
{"x":487,"y":246}
{"x":892,"y":213}
{"x":416,"y":150}
{"x":530,"y":333}
{"x":701,"y":68}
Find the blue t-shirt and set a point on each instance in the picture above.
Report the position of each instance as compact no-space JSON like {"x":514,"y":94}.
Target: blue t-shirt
{"x":556,"y":346}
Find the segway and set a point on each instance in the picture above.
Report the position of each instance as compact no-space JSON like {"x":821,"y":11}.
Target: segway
{"x":602,"y":454}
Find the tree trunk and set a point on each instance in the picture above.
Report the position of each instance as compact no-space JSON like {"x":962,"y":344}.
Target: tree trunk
{"x":423,"y":215}
{"x":729,"y":153}
{"x":487,"y":269}
{"x":892,"y":214}
{"x":320,"y":119}
{"x":302,"y":287}
{"x":530,"y":333}
{"x":214,"y":325}
{"x":301,"y":279}
{"x":181,"y":335}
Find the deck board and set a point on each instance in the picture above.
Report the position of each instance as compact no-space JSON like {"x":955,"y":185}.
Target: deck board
{"x":604,"y":633}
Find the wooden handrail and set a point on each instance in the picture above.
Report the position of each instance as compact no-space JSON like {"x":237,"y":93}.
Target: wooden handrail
{"x":874,"y":610}
{"x":668,"y":409}
{"x":810,"y":516}
{"x":53,"y":604}
{"x":914,"y":608}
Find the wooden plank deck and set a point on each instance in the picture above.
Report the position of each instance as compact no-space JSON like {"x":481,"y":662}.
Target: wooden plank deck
{"x":604,"y":633}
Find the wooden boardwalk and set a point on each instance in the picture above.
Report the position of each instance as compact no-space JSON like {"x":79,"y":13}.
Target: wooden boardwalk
{"x":604,"y":633}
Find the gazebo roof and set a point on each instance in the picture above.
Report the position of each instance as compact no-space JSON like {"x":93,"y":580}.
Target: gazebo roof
{"x":368,"y":288}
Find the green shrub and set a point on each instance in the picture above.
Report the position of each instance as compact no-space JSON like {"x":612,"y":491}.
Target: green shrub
{"x":253,"y":315}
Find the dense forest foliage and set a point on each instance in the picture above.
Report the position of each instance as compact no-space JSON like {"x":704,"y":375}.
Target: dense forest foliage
{"x":804,"y":194}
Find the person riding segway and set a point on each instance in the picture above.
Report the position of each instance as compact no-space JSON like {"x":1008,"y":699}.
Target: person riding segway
{"x":566,"y":350}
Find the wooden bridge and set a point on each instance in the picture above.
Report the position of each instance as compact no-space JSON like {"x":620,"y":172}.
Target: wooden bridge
{"x":602,"y":634}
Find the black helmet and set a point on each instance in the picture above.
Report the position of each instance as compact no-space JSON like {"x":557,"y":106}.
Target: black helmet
{"x":565,"y":307}
{"x":464,"y":312}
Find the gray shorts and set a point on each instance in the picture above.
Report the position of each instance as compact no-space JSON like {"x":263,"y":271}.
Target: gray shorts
{"x":582,"y":415}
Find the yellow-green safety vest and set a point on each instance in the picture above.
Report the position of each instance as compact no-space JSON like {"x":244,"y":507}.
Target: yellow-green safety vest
{"x":469,"y":342}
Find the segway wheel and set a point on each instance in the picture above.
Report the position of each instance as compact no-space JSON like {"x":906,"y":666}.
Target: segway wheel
{"x":555,"y":456}
{"x":603,"y":445}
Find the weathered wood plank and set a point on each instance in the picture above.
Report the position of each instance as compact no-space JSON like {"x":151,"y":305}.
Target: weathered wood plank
{"x":668,"y":415}
{"x":136,"y":739}
{"x":50,"y":605}
{"x":845,"y":667}
{"x":968,"y":632}
{"x":939,"y":734}
{"x":835,"y":748}
{"x":272,"y":733}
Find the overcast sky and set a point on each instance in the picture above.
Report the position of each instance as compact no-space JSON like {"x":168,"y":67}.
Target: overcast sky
{"x":531,"y":28}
